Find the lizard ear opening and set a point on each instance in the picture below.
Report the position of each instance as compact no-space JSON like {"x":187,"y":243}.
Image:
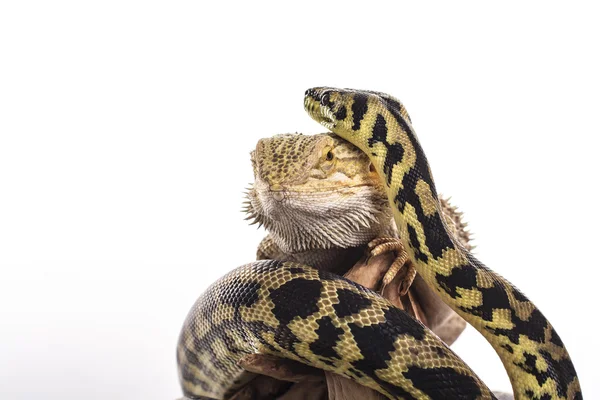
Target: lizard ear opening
{"x":371,"y":167}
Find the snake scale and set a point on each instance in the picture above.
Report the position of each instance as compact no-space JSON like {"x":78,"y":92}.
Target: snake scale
{"x":320,"y":319}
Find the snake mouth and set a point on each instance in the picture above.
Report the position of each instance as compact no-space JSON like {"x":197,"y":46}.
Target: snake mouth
{"x":319,"y":107}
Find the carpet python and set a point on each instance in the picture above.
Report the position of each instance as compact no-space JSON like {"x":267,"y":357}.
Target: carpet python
{"x":535,"y":358}
{"x":320,"y":319}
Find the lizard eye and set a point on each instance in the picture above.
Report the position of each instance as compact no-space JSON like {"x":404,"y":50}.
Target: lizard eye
{"x":329,"y":155}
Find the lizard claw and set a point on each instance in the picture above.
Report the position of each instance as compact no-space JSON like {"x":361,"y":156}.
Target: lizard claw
{"x":400,"y":267}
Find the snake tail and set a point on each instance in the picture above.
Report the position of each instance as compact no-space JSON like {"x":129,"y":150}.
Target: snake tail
{"x":317,"y":318}
{"x":533,"y":355}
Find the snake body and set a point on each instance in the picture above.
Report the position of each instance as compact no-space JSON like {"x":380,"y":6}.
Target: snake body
{"x":535,"y":358}
{"x":320,"y":319}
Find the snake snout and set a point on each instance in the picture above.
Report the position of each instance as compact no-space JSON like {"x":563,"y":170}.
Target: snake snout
{"x":319,"y":94}
{"x":312,"y":92}
{"x":322,"y":103}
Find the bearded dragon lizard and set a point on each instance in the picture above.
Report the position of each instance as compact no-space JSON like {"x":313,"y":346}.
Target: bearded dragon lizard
{"x":323,"y":205}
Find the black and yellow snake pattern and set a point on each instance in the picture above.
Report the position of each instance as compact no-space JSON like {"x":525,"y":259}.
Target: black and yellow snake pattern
{"x":323,"y":320}
{"x":535,"y":358}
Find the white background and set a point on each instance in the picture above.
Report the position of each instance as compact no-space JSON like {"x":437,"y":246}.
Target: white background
{"x":125,"y":132}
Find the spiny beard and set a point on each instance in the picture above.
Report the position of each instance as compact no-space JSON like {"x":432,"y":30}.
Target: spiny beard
{"x":320,"y":220}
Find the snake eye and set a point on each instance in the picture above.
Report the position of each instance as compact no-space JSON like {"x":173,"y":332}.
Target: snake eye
{"x":329,"y":155}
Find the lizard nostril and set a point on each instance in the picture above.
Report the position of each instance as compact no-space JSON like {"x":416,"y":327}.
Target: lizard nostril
{"x":277,"y":191}
{"x":278,"y":196}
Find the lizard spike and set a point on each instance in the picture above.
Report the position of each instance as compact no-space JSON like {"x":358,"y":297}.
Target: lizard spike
{"x":364,"y":220}
{"x":373,"y":217}
{"x":358,"y":222}
{"x":346,"y":219}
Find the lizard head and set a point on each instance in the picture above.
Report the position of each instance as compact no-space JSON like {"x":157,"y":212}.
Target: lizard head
{"x":316,"y":191}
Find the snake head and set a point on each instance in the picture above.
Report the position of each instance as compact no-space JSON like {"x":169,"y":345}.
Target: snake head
{"x":345,"y":111}
{"x":328,"y":106}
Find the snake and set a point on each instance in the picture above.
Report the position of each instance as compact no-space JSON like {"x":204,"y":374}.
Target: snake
{"x":323,"y":320}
